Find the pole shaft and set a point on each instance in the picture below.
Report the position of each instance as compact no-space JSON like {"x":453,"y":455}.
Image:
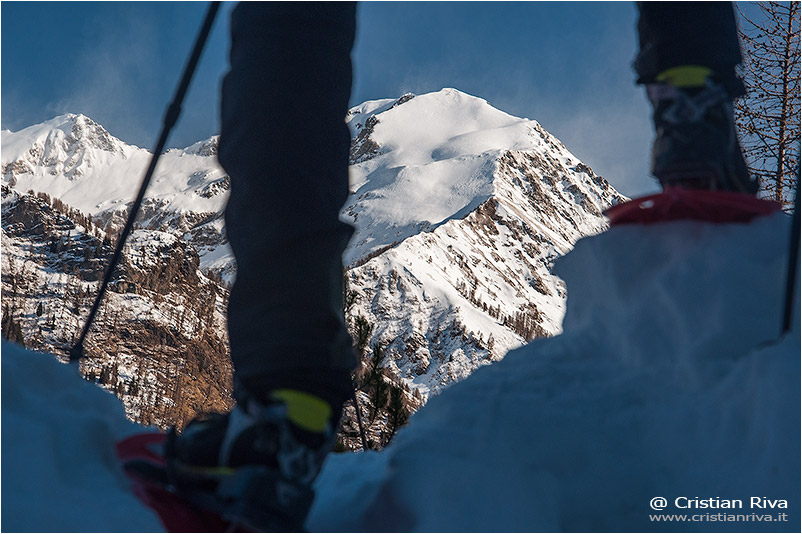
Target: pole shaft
{"x":170,"y":118}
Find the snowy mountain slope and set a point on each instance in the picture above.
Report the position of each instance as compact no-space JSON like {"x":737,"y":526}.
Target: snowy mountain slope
{"x":435,"y":157}
{"x":460,"y":210}
{"x":103,"y":171}
{"x":159,"y":337}
{"x":74,"y":159}
{"x":668,"y":381}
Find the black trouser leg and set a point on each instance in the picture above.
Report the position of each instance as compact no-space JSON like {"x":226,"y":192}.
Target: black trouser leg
{"x":284,"y":143}
{"x":688,"y":33}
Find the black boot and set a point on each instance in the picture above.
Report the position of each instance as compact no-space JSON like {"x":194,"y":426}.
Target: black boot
{"x":696,"y":145}
{"x":255,"y":466}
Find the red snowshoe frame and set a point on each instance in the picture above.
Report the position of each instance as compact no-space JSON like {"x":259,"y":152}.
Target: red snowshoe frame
{"x":675,"y":204}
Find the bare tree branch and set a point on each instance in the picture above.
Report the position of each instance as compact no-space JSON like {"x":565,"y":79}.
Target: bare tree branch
{"x":768,"y":116}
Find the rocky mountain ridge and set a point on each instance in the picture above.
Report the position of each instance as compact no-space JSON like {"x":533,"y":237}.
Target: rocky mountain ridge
{"x":459,"y":209}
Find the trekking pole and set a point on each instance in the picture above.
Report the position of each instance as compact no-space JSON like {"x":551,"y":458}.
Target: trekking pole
{"x":790,"y":283}
{"x":170,"y":118}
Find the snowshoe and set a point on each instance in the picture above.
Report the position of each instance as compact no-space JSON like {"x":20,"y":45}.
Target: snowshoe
{"x":678,"y":203}
{"x":146,"y":468}
{"x":253,"y":467}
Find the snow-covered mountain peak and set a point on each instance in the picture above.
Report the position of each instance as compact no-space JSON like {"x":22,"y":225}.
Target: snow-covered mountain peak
{"x":70,"y":133}
{"x":460,"y":210}
{"x":419,"y":161}
{"x":73,"y":158}
{"x":68,"y":146}
{"x":84,"y":128}
{"x":440,"y":125}
{"x":207,"y":147}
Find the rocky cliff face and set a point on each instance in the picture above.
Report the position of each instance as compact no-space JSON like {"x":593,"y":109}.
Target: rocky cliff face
{"x":158,"y":340}
{"x":459,"y":209}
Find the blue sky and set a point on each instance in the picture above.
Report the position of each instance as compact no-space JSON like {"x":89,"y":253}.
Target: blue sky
{"x":564,"y":64}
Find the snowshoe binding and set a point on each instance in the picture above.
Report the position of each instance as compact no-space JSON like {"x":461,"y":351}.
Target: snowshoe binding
{"x":253,"y":467}
{"x":696,"y":146}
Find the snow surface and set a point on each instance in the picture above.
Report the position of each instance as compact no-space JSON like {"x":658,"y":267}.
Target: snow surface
{"x":666,"y":382}
{"x":59,"y":469}
{"x":669,"y":380}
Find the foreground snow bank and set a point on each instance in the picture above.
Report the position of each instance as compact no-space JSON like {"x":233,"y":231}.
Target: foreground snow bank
{"x":668,"y":382}
{"x":59,"y":470}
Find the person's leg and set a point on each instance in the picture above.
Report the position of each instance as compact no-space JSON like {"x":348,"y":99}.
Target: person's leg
{"x":678,"y":34}
{"x":687,"y":60}
{"x":284,"y":144}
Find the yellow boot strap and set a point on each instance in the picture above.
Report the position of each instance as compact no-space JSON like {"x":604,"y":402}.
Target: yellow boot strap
{"x":305,"y":410}
{"x":685,"y":76}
